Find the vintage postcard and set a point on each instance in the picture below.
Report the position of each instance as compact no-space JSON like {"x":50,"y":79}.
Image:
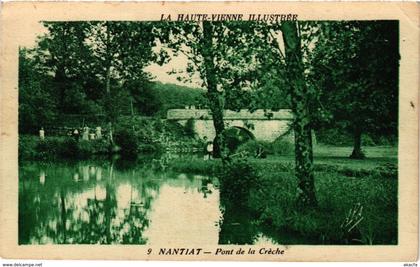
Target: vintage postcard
{"x":234,"y":131}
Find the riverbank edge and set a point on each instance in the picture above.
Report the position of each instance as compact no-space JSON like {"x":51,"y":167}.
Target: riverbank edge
{"x":271,"y":200}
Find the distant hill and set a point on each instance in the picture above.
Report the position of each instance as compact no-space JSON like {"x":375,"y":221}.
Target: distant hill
{"x":176,"y":96}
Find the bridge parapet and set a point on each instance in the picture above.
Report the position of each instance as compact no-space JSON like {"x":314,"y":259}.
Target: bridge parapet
{"x":243,"y":114}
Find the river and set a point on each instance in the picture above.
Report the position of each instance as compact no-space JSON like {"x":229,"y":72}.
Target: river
{"x":117,"y":202}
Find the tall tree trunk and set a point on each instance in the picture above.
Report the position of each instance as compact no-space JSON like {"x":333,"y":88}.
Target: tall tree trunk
{"x":216,"y":101}
{"x":60,"y":77}
{"x":108,"y":93}
{"x":357,"y":145}
{"x":107,"y":83}
{"x":60,"y":81}
{"x":302,"y":128}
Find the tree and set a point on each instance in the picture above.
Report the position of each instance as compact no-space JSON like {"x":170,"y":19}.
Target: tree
{"x":355,"y":67}
{"x":144,"y":99}
{"x":197,"y":42}
{"x":215,"y":99}
{"x":120,"y":51}
{"x":98,"y":67}
{"x":63,"y":53}
{"x":300,"y":94}
{"x":221,"y":54}
{"x":234,"y":58}
{"x":36,"y":104}
{"x":280,"y":80}
{"x":176,"y":96}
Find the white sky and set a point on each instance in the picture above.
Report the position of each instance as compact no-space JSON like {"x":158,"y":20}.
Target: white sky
{"x":178,"y":63}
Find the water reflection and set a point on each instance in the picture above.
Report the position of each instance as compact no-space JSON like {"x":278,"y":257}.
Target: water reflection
{"x":105,"y":202}
{"x":95,"y":203}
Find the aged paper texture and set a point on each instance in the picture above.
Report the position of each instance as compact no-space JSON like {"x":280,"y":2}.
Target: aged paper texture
{"x":225,"y":95}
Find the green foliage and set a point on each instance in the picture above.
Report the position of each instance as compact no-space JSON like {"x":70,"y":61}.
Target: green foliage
{"x":144,"y":130}
{"x":340,"y":188}
{"x":117,"y":103}
{"x":143,"y":137}
{"x":155,"y":135}
{"x":354,"y":65}
{"x":282,"y":147}
{"x":189,"y":128}
{"x":261,"y":149}
{"x":50,"y":148}
{"x":334,"y":136}
{"x":68,"y":148}
{"x":174,"y":128}
{"x":37,"y":106}
{"x":386,"y":170}
{"x":31,"y":147}
{"x":128,"y":141}
{"x":285,"y":197}
{"x":234,"y":137}
{"x":224,"y":55}
{"x":147,"y":101}
{"x":236,"y":179}
{"x":255,"y":148}
{"x":195,"y":166}
{"x":175,"y":96}
{"x":341,"y":137}
{"x":275,"y":195}
{"x":27,"y":147}
{"x":79,"y":67}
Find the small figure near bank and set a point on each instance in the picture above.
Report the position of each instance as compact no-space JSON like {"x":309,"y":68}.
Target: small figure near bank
{"x":42,"y":134}
{"x":98,"y":132}
{"x":209,"y":150}
{"x":76,"y":134}
{"x":85,"y":135}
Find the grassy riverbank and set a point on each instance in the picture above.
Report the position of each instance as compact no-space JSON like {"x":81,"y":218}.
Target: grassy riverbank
{"x":340,"y":198}
{"x":132,"y":137}
{"x":32,"y":148}
{"x":357,"y":199}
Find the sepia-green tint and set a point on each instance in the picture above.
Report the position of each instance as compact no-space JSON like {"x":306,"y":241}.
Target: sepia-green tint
{"x":116,"y":202}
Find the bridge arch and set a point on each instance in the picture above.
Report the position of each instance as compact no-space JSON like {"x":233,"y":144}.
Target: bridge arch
{"x":236,"y":136}
{"x":242,"y":131}
{"x":264,"y":128}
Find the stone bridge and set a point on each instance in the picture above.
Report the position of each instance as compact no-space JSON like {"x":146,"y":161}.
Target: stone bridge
{"x":257,"y":124}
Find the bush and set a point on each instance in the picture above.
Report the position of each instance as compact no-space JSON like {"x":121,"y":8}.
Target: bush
{"x":274,"y":196}
{"x":261,"y":149}
{"x":92,"y":147}
{"x":151,"y":148}
{"x":31,"y":147}
{"x":49,"y":148}
{"x":282,"y":147}
{"x":27,"y":147}
{"x":255,"y":149}
{"x":99,"y":146}
{"x":233,"y":138}
{"x":148,"y":135}
{"x":334,"y":136}
{"x":236,"y":180}
{"x":174,"y":129}
{"x":69,"y":148}
{"x":128,"y":142}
